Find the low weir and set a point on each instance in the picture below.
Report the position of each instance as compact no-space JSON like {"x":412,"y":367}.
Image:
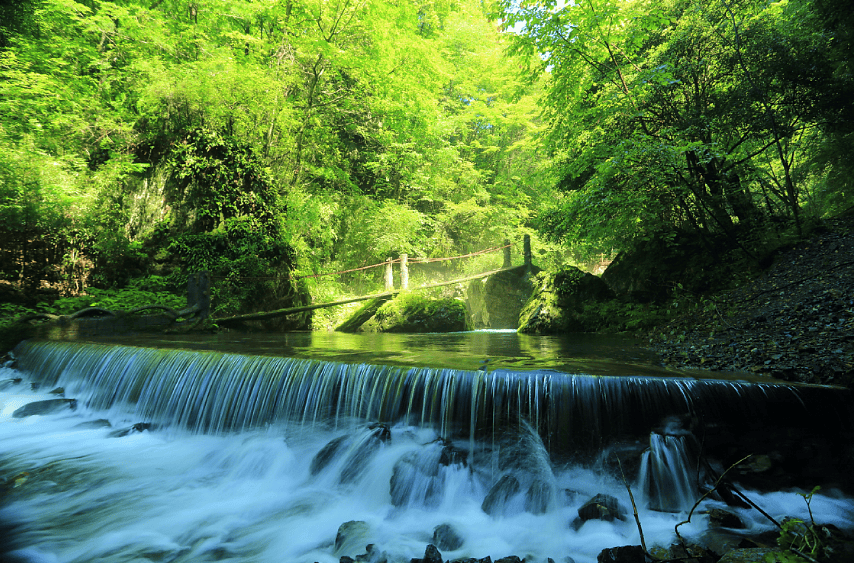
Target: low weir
{"x":189,"y":455}
{"x":211,"y":392}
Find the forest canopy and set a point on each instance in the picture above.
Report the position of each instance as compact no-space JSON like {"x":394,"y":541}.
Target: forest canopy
{"x":272,"y":139}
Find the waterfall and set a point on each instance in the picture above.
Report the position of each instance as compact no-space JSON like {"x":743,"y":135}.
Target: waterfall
{"x":668,"y":475}
{"x":186,"y":456}
{"x":213,"y":392}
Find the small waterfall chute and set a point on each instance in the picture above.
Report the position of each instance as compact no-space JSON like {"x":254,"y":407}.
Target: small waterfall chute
{"x":669,"y":473}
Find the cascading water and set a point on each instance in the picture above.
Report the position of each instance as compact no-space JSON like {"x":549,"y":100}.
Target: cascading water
{"x":668,"y":478}
{"x":175,"y":455}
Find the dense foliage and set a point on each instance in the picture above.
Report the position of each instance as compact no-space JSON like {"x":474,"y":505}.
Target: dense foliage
{"x":262,"y":140}
{"x":719,"y":117}
{"x":271,"y":140}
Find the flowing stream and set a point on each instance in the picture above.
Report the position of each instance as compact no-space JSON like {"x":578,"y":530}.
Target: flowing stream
{"x":307,"y":448}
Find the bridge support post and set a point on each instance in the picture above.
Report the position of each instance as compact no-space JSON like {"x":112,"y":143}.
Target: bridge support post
{"x":404,"y":271}
{"x":389,"y":275}
{"x":527,"y":250}
{"x":507,"y":261}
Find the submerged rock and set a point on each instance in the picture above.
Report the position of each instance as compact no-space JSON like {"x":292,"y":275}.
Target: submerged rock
{"x":45,"y":407}
{"x":445,"y":537}
{"x":99,"y":423}
{"x":7,"y":383}
{"x":355,"y":449}
{"x":327,"y":453}
{"x":500,"y":495}
{"x":351,"y":536}
{"x":138,"y":427}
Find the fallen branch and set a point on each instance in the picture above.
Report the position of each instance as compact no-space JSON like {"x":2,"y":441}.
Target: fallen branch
{"x":702,"y":498}
{"x":634,"y":506}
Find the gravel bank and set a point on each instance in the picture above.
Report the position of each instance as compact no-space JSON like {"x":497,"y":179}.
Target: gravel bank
{"x":794,"y":322}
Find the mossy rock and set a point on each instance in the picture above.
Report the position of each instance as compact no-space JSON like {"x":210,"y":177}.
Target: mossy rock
{"x":558,"y":302}
{"x":497,"y":301}
{"x":409,"y":312}
{"x":362,"y":315}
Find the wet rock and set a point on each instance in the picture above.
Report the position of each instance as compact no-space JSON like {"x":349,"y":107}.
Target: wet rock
{"x":100,"y":423}
{"x":719,"y":518}
{"x":372,"y":555}
{"x":351,"y":536}
{"x":431,"y":555}
{"x":7,"y":383}
{"x":446,"y":538}
{"x":362,"y":449}
{"x":326,"y":454}
{"x":538,"y":498}
{"x":58,"y":391}
{"x":624,"y":554}
{"x":500,"y":494}
{"x":600,"y":507}
{"x":138,"y":427}
{"x":45,"y":407}
{"x":415,"y":481}
{"x":509,"y":559}
{"x":691,"y":553}
{"x":452,"y":455}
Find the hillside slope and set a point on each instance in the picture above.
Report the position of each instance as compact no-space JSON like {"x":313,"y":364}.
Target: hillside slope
{"x":793,"y":322}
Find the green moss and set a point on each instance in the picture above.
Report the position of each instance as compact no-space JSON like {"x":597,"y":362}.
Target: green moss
{"x":409,"y":312}
{"x":362,"y":315}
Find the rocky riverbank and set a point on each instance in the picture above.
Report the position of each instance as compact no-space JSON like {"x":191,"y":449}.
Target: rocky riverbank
{"x":795,"y":321}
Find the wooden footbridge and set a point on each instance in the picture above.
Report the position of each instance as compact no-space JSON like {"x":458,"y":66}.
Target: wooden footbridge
{"x":390,"y":290}
{"x":101,"y":320}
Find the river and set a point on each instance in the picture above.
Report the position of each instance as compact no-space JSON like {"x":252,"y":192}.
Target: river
{"x":258,"y":447}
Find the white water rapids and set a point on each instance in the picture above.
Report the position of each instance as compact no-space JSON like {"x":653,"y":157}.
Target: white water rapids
{"x":74,"y":493}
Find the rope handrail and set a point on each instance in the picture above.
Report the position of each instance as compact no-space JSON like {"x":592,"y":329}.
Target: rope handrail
{"x":390,"y":261}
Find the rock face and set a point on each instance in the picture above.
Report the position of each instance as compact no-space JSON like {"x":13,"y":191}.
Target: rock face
{"x":495,"y":302}
{"x":653,"y":268}
{"x":558,"y":302}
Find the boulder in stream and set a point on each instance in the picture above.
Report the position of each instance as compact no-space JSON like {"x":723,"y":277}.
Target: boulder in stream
{"x":558,"y":303}
{"x":500,"y":495}
{"x":351,"y":536}
{"x":45,"y":407}
{"x":600,"y":507}
{"x":446,"y":537}
{"x":495,"y":302}
{"x":431,"y":555}
{"x":412,"y":313}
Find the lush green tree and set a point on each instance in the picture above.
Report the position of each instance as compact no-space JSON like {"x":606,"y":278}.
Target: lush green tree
{"x":686,"y":113}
